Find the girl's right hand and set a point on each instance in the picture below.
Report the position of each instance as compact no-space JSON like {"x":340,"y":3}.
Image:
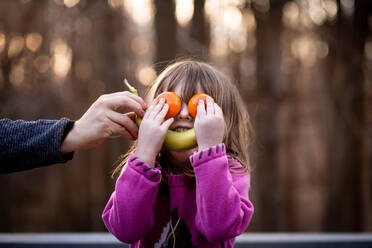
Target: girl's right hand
{"x":152,"y":132}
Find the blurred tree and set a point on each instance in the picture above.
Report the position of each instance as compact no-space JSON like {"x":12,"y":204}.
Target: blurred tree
{"x":199,"y":30}
{"x":166,"y":33}
{"x":307,"y":78}
{"x":345,"y":203}
{"x":268,"y":203}
{"x":88,"y":41}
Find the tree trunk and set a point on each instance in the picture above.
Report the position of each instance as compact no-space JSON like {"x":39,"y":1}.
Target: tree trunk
{"x":166,"y":31}
{"x":345,"y":202}
{"x":265,"y":176}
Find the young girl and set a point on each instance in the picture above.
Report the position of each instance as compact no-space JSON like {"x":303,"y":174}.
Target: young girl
{"x":190,"y":198}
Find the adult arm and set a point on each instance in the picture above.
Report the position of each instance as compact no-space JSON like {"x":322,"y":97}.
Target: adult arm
{"x":29,"y":144}
{"x":223,"y":206}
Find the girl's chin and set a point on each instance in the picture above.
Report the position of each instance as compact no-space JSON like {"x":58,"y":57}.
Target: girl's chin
{"x":184,"y":154}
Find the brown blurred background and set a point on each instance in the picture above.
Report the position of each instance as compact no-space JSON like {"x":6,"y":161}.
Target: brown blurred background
{"x":303,"y":67}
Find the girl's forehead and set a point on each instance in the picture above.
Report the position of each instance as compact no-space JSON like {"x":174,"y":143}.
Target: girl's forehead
{"x":179,"y":89}
{"x":186,"y":91}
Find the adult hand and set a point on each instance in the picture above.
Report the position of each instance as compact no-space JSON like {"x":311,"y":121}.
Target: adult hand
{"x":102,"y":120}
{"x":152,"y":132}
{"x":209,"y":124}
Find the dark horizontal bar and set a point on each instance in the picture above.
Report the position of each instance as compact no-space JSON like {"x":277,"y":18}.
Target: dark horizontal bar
{"x":304,"y":240}
{"x":257,"y":240}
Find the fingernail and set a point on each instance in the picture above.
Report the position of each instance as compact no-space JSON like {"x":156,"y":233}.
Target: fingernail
{"x":161,"y":100}
{"x":200,"y":101}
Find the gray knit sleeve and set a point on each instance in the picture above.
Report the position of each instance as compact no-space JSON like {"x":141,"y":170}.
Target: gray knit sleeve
{"x":28,"y":144}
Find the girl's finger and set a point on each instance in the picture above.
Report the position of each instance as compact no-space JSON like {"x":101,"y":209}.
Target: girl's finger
{"x":124,"y":121}
{"x":200,"y":110}
{"x":163,"y":112}
{"x":158,"y":106}
{"x":148,"y":112}
{"x":218,"y":110}
{"x":210,"y":106}
{"x":166,"y":124}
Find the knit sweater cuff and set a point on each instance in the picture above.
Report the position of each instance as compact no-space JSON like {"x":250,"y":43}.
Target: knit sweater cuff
{"x":198,"y":158}
{"x":68,"y":126}
{"x":153,"y":174}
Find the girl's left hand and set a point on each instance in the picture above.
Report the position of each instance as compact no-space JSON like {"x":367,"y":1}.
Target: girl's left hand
{"x":209,"y":124}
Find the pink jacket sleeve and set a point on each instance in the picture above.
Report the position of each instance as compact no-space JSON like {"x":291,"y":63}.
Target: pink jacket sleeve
{"x":128,"y":214}
{"x":223,"y":206}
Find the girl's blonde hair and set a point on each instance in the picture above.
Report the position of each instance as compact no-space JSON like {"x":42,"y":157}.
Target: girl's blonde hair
{"x":238,"y":134}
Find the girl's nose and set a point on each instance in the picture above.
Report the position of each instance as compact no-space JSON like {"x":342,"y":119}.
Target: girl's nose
{"x":184,"y":113}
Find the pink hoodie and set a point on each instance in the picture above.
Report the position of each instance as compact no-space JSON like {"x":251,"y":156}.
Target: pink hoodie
{"x":211,"y":214}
